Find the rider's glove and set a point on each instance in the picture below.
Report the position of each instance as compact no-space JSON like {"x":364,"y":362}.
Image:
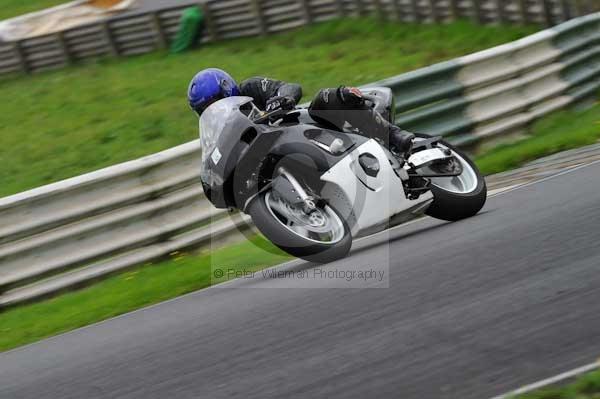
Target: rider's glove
{"x":280,"y":102}
{"x":351,"y":96}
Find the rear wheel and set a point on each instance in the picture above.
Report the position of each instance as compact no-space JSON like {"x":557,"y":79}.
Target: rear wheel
{"x":459,"y":197}
{"x":321,"y":236}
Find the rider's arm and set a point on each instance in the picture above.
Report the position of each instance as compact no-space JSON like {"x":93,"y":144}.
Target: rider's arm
{"x":291,"y":90}
{"x":263,"y":89}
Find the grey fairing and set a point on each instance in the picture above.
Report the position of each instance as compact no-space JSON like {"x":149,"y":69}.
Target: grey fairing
{"x":232,"y":148}
{"x":231,"y":181}
{"x":286,"y":146}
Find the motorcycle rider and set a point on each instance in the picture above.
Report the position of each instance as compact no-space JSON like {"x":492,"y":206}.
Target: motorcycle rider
{"x":343,"y":108}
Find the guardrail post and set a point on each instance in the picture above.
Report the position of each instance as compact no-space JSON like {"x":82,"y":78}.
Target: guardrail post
{"x":260,"y":20}
{"x":60,"y":39}
{"x":209,"y":21}
{"x":21,"y":56}
{"x":110,"y":40}
{"x":161,"y":39}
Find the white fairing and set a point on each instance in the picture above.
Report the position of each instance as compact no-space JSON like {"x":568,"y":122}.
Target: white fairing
{"x":362,"y":200}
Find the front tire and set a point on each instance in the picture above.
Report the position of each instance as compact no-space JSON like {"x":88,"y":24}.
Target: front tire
{"x":271,"y":223}
{"x":461,"y":198}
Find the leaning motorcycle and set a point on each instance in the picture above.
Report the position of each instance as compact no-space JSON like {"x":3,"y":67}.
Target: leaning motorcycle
{"x":312,"y":190}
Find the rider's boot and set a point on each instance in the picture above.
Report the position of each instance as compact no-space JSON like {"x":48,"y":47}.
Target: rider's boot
{"x":401,"y":141}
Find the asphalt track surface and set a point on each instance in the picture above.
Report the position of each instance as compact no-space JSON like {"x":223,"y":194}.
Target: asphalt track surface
{"x":468,"y":310}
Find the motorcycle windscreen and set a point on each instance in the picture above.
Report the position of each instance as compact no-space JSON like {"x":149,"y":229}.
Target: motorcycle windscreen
{"x":213,"y":123}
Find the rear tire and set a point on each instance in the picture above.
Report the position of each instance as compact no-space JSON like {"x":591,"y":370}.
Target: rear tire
{"x":454,"y":206}
{"x":292,"y":243}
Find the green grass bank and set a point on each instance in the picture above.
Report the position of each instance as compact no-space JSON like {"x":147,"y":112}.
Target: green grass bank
{"x":132,"y":290}
{"x":560,"y":131}
{"x":586,"y":387}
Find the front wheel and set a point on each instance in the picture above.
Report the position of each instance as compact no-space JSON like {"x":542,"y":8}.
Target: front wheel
{"x":460,"y":197}
{"x":321,"y":236}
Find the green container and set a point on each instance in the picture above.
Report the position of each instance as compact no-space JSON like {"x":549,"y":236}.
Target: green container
{"x":190,"y":30}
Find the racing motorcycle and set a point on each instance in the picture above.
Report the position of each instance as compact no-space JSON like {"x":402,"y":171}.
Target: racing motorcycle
{"x":311,"y":190}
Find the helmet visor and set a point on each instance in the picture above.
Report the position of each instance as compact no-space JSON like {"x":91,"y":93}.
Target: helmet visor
{"x":200,"y":108}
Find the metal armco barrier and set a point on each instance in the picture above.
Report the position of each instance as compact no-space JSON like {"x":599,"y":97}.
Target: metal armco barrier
{"x":79,"y":230}
{"x":225,"y":19}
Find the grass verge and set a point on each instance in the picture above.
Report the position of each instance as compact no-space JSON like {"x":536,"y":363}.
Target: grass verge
{"x":560,"y":131}
{"x":129,"y":291}
{"x":64,"y":123}
{"x":586,"y":387}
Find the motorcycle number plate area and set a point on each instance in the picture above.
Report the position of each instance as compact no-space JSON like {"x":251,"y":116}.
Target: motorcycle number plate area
{"x":425,"y":157}
{"x":216,"y":156}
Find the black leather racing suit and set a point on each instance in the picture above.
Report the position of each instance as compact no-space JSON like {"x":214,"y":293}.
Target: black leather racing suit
{"x":264,"y":89}
{"x":343,"y":108}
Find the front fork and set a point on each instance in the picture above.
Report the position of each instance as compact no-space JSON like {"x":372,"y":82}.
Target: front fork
{"x":288,"y":188}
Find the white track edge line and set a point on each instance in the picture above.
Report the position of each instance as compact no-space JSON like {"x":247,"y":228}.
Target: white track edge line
{"x":551,"y":381}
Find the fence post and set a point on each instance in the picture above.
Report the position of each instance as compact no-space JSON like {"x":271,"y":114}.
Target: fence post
{"x":395,"y":10}
{"x":523,"y":11}
{"x":435,"y":17}
{"x":340,"y":7}
{"x":502,"y":17}
{"x":110,"y":40}
{"x":209,"y":21}
{"x":454,"y":10}
{"x":260,"y":20}
{"x":360,"y":10}
{"x":379,"y":9}
{"x":306,"y":12}
{"x":565,"y":7}
{"x":478,"y":12}
{"x":161,"y":39}
{"x":60,"y":38}
{"x":578,"y":8}
{"x":547,"y":13}
{"x":414,"y":6}
{"x":20,"y":53}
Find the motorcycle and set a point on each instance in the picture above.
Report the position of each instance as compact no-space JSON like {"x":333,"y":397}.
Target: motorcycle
{"x":311,"y":190}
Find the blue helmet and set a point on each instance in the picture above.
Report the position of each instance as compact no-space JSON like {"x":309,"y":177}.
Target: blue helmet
{"x":209,"y":86}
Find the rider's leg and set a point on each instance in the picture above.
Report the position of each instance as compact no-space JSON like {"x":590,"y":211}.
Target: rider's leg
{"x":346,"y":110}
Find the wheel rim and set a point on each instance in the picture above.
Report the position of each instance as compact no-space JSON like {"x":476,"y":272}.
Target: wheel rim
{"x":322,"y":226}
{"x":465,"y":183}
